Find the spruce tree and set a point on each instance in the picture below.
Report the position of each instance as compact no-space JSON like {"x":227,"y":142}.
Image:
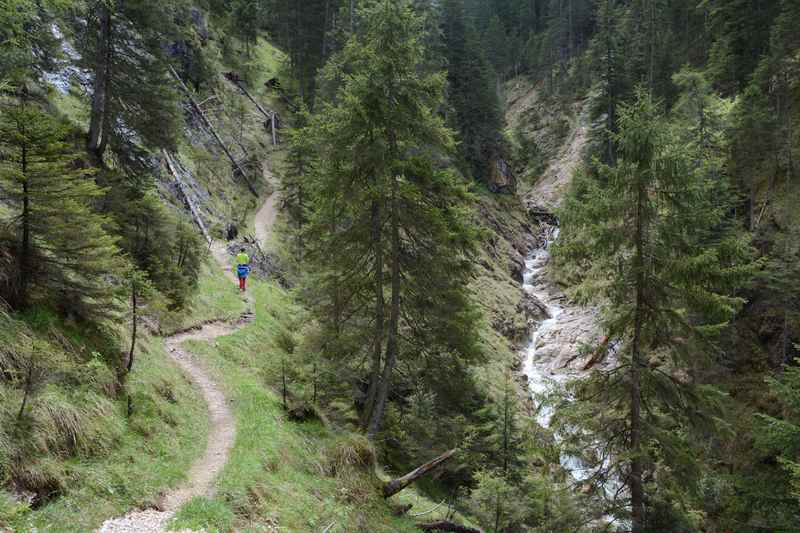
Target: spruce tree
{"x":389,"y":233}
{"x":134,"y":98}
{"x":666,"y":259}
{"x":63,"y":251}
{"x":471,"y":91}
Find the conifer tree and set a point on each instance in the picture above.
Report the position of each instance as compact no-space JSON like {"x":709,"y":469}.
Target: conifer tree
{"x":61,"y":245}
{"x":471,"y":91}
{"x":294,"y":189}
{"x":668,"y":261}
{"x":389,"y":234}
{"x":133,"y":96}
{"x":27,"y":44}
{"x":779,"y":436}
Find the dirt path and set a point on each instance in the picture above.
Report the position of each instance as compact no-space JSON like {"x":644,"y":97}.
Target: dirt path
{"x":222,"y":433}
{"x":265,"y":218}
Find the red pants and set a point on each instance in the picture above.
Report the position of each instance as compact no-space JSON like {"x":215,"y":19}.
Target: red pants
{"x":242,"y":283}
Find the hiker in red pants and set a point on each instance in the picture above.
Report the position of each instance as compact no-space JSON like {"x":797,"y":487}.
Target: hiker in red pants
{"x":242,"y":269}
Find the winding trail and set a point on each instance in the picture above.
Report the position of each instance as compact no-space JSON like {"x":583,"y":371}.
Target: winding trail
{"x":266,"y":216}
{"x":222,"y":433}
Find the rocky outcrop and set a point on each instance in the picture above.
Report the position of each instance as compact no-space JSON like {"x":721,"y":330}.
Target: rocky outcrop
{"x":533,"y":309}
{"x":501,"y":177}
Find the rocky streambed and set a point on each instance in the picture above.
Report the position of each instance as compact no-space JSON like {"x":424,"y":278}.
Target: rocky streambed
{"x":562,"y":335}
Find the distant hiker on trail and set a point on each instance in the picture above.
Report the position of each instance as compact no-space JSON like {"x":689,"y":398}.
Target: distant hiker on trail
{"x":242,"y":269}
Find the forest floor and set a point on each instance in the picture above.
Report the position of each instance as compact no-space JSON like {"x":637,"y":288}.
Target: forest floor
{"x":222,"y":430}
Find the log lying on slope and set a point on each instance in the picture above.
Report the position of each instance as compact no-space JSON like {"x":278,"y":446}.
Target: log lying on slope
{"x":212,"y":130}
{"x":396,"y":485}
{"x":269,"y":115}
{"x":444,"y":525}
{"x":193,"y":209}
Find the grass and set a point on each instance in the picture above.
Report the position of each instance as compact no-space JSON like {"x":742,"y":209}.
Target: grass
{"x":216,"y":299}
{"x":283,"y":475}
{"x":165,"y":434}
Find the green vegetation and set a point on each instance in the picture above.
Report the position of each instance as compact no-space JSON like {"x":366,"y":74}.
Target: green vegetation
{"x":74,"y":449}
{"x":292,"y":475}
{"x":125,"y":127}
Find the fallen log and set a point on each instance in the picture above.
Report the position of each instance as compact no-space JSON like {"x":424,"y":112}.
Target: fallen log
{"x":269,"y":115}
{"x":213,"y":131}
{"x":598,"y":355}
{"x":186,"y":198}
{"x":396,"y":485}
{"x":445,"y":525}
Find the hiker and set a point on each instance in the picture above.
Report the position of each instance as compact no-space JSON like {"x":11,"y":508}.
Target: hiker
{"x":242,"y":269}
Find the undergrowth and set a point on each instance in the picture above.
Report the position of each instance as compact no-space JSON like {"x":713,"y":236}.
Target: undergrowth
{"x":75,"y":459}
{"x":284,"y":475}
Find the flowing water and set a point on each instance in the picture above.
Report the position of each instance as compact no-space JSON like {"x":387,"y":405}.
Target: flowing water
{"x":550,"y":358}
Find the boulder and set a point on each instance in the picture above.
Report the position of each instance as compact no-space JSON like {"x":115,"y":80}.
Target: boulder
{"x":533,"y":308}
{"x":516,"y":265}
{"x":501,"y":177}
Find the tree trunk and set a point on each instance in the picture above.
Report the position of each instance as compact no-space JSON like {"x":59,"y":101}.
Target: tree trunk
{"x":497,"y":513}
{"x":377,"y":338}
{"x":283,"y":380}
{"x":28,"y":389}
{"x":394,"y":321}
{"x":97,"y":120}
{"x":25,"y":245}
{"x":636,"y":485}
{"x":134,"y":305}
{"x":213,"y":131}
{"x":396,"y":485}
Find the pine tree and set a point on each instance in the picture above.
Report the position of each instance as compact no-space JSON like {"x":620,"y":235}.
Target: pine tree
{"x":62,"y":249}
{"x":389,"y":234}
{"x":741,"y":32}
{"x":668,"y":261}
{"x":163,"y":246}
{"x":27,"y":45}
{"x":471,"y":91}
{"x":134,"y":99}
{"x":779,"y":436}
{"x":294,"y":189}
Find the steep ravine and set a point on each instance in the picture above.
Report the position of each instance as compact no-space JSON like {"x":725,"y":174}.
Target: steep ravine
{"x":560,"y":330}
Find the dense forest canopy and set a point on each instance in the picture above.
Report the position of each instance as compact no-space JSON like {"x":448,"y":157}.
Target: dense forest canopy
{"x":405,"y":148}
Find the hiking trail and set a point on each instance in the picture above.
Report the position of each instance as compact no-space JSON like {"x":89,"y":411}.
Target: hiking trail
{"x":222,"y":425}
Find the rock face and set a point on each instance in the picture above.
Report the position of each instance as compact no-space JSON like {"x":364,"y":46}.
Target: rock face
{"x":533,"y":308}
{"x":569,"y":345}
{"x":501,"y":177}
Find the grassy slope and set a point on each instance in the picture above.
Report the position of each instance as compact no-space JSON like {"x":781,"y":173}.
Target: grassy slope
{"x":508,"y":230}
{"x":214,"y":300}
{"x":161,"y":440}
{"x":279,"y":473}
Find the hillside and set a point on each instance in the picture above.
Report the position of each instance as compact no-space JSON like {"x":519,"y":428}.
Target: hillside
{"x":413,"y":265}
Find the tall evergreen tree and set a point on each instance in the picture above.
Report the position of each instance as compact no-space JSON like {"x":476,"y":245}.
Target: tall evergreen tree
{"x":471,"y":91}
{"x":61,"y":245}
{"x":133,"y":95}
{"x":389,"y":234}
{"x":667,"y":260}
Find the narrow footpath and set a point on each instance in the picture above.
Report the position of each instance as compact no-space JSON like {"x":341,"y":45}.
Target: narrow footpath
{"x":222,"y":433}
